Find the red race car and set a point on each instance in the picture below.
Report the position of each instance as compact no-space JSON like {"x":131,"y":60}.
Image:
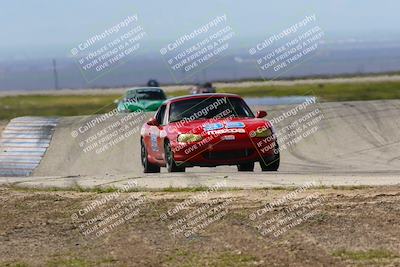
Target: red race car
{"x":208,"y":130}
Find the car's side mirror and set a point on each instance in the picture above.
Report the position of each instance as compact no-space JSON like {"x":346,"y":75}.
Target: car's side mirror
{"x":153,"y":122}
{"x":261,"y":114}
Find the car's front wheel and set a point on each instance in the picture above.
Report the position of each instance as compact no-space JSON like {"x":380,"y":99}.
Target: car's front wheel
{"x":148,"y":167}
{"x":246,"y":167}
{"x":270,"y":164}
{"x":169,"y":158}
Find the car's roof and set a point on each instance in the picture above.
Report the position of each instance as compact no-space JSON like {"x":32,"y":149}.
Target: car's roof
{"x":207,"y":95}
{"x":132,"y":90}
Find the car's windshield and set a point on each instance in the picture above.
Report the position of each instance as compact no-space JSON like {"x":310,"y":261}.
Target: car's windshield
{"x":147,"y":95}
{"x":208,"y":108}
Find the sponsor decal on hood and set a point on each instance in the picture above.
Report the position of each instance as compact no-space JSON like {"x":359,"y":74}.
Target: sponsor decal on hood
{"x":228,"y":125}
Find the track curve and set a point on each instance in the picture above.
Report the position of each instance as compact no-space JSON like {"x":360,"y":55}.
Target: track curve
{"x":352,"y":137}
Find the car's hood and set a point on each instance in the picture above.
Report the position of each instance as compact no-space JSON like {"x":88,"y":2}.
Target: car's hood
{"x":144,"y":104}
{"x":206,"y":125}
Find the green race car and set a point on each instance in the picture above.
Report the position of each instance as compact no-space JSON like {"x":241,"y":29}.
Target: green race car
{"x":146,"y":99}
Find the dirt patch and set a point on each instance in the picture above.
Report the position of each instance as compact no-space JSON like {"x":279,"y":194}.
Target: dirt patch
{"x":349,"y":227}
{"x":3,"y":125}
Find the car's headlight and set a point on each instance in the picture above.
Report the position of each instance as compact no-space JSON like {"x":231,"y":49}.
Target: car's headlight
{"x":187,"y":138}
{"x":264,"y":132}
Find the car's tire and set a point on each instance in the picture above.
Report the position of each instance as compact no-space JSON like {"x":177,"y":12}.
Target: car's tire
{"x":169,"y":159}
{"x":270,"y":164}
{"x":148,"y":167}
{"x":246,"y":167}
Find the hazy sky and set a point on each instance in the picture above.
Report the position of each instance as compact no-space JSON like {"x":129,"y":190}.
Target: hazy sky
{"x":40,"y":24}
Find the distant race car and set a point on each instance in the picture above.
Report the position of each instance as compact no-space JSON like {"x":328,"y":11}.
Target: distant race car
{"x":202,"y":89}
{"x":208,"y":130}
{"x":146,"y":99}
{"x":153,"y":83}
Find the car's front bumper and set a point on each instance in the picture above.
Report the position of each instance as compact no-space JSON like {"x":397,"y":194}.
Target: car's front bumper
{"x":222,"y":152}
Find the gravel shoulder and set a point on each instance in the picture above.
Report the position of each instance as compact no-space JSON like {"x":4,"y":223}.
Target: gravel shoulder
{"x":3,"y":125}
{"x":352,"y":227}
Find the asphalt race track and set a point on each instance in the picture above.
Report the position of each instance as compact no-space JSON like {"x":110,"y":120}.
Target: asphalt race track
{"x":337,"y":140}
{"x":352,"y":137}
